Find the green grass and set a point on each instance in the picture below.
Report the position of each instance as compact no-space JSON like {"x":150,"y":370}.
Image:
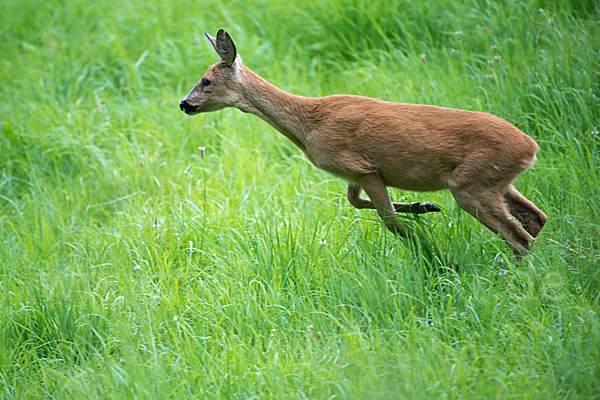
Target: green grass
{"x":132,"y":267}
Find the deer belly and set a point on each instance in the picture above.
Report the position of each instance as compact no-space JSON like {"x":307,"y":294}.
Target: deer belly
{"x":414,"y":178}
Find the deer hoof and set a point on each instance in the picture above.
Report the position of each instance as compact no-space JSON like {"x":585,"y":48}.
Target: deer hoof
{"x":423,"y":208}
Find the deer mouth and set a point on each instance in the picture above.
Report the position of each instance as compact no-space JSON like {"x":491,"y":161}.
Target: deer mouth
{"x":192,"y":112}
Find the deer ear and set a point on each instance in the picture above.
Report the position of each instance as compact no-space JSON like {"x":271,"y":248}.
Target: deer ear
{"x":212,"y":40}
{"x":225,"y":48}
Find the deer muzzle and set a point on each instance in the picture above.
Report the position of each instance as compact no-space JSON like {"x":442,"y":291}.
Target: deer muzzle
{"x":188,"y":108}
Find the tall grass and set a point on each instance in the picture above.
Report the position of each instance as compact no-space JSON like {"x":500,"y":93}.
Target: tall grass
{"x":132,"y":266}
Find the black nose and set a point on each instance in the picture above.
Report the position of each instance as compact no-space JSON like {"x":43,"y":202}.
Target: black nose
{"x":184,"y":105}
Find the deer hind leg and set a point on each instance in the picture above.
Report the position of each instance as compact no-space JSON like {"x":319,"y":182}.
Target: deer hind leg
{"x":487,"y":206}
{"x":380,"y":200}
{"x":354,"y":198}
{"x":531,"y":217}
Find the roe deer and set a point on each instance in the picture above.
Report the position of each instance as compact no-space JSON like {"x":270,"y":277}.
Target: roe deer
{"x":374,"y":143}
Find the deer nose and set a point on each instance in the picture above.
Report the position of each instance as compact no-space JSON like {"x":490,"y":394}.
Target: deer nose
{"x":184,"y":105}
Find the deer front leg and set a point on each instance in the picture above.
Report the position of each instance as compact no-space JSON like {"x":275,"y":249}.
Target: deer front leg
{"x":380,"y":200}
{"x":354,"y":198}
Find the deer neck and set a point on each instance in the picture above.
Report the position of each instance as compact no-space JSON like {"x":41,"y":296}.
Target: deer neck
{"x":286,"y":112}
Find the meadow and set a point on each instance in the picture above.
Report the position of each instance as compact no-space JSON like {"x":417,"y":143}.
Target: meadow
{"x":147,"y":254}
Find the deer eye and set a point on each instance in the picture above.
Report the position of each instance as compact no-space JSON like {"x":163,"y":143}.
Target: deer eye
{"x":205,"y":82}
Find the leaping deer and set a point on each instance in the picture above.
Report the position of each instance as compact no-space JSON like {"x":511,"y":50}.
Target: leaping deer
{"x":373,"y":143}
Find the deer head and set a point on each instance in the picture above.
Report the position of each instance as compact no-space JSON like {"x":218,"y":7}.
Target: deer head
{"x":219,"y":87}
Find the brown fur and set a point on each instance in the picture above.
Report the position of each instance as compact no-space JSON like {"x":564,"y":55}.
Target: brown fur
{"x":374,"y":144}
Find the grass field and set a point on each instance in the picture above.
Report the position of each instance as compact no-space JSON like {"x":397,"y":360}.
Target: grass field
{"x":131,"y":266}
